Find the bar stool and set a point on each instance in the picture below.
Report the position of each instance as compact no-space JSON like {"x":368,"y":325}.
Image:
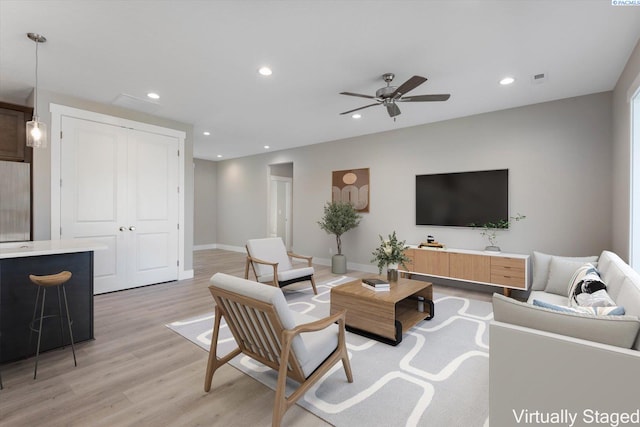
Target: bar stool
{"x":44,"y":282}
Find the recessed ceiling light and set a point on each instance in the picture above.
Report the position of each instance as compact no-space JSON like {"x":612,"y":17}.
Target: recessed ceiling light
{"x":153,"y":95}
{"x":266,"y":147}
{"x":265,"y":71}
{"x":219,"y":156}
{"x":507,"y":81}
{"x":356,"y":116}
{"x":206,"y":133}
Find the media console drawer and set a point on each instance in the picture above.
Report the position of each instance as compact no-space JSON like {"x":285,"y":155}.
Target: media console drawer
{"x":507,"y":270}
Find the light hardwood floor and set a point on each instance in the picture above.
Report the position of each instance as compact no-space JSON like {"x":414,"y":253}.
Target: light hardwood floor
{"x":139,"y":373}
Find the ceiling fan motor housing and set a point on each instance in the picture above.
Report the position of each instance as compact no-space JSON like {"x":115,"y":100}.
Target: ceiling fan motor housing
{"x":385,"y":92}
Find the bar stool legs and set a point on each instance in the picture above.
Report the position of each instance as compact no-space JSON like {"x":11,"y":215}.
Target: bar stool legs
{"x":43,"y":282}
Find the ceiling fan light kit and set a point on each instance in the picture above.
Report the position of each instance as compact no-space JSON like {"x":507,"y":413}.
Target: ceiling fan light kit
{"x":389,"y":95}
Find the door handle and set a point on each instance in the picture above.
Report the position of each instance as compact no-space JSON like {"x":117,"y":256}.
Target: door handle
{"x":123,"y":228}
{"x":132,"y":228}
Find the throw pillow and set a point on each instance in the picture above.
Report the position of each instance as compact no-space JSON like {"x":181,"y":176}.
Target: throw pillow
{"x":596,"y":311}
{"x":597,"y":299}
{"x":561,"y":270}
{"x":541,"y":263}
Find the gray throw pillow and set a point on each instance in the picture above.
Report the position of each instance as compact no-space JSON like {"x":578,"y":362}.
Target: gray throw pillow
{"x":560,"y":274}
{"x":541,"y":264}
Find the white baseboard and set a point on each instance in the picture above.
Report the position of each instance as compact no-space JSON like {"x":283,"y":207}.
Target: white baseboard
{"x":185,"y":274}
{"x":367,"y":268}
{"x":232,"y":248}
{"x":205,"y":247}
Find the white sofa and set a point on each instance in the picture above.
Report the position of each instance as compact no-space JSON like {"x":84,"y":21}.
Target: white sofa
{"x":548,"y":363}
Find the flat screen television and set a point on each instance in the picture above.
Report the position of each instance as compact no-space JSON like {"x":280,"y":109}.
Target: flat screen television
{"x":463,"y":198}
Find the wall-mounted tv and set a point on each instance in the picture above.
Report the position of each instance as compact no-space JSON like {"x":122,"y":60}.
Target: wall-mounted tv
{"x":463,"y":198}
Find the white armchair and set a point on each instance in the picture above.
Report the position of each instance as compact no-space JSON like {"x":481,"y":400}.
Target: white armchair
{"x":297,"y":345}
{"x":271,"y":263}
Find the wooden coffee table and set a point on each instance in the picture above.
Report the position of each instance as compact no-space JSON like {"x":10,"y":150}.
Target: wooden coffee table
{"x":383,"y":316}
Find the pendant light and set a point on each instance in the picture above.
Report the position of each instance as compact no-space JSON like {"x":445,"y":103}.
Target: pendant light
{"x":36,"y":130}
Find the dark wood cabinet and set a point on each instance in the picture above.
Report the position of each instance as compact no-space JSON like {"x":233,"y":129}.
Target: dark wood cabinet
{"x":13,"y":119}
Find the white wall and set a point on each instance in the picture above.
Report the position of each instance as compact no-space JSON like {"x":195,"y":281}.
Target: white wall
{"x":558,"y":154}
{"x":627,"y":85}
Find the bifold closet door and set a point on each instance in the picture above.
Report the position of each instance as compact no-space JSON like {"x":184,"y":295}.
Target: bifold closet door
{"x":119,"y":187}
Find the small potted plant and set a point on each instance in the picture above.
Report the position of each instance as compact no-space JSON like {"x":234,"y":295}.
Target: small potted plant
{"x":490,"y":231}
{"x":390,"y":254}
{"x":339,"y":217}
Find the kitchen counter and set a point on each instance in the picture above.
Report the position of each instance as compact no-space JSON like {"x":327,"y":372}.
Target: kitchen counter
{"x":46,"y":247}
{"x":18,"y":294}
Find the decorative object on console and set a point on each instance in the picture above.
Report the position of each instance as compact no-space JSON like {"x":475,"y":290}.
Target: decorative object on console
{"x":390,"y":254}
{"x":351,"y":186}
{"x":490,"y":230}
{"x":430,"y":244}
{"x":338,"y":218}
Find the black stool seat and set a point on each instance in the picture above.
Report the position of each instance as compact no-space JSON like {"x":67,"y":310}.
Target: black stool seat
{"x":44,"y":282}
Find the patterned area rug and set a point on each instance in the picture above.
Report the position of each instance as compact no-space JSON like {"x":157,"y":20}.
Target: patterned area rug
{"x":437,"y":376}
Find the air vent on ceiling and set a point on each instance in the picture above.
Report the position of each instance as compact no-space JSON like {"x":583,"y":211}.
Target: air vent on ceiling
{"x":539,"y":78}
{"x":132,"y":103}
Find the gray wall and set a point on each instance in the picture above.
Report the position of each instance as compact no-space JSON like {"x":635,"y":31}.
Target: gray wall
{"x":205,"y":205}
{"x":558,"y":154}
{"x":628,"y":83}
{"x":42,"y":163}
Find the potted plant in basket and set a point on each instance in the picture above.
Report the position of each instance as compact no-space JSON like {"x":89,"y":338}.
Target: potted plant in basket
{"x":338,"y":218}
{"x":490,"y":230}
{"x":390,"y":254}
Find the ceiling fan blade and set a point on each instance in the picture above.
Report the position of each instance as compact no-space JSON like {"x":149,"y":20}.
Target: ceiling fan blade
{"x":393,"y":110}
{"x":357,"y":94}
{"x":410,"y":84}
{"x":360,"y":108}
{"x":424,"y":98}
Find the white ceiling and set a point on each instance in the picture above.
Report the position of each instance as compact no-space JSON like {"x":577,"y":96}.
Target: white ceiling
{"x":202,"y":58}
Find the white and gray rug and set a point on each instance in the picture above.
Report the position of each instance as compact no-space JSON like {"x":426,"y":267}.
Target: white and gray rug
{"x":437,"y":376}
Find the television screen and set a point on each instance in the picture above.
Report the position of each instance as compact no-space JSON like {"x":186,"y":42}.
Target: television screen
{"x":462,"y":199}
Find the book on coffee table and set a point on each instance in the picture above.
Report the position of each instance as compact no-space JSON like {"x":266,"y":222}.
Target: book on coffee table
{"x":376,"y":284}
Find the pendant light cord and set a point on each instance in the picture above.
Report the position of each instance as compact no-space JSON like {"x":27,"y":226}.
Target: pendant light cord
{"x":35,"y":97}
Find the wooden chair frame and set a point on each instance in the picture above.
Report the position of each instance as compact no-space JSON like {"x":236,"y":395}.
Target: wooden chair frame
{"x":275,"y":282}
{"x":257,"y":329}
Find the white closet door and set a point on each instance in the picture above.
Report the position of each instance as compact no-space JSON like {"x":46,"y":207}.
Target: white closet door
{"x":120,"y":187}
{"x":93,"y":195}
{"x":152,"y":208}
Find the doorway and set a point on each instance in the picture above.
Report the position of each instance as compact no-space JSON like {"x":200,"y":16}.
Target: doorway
{"x":280,"y":203}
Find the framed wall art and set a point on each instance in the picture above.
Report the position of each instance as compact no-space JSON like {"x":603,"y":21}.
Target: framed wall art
{"x":351,"y":186}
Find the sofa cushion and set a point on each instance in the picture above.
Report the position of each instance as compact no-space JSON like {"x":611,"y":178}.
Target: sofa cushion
{"x":620,"y":331}
{"x":594,"y":311}
{"x":546,"y":297}
{"x":541,"y":263}
{"x":561,"y":271}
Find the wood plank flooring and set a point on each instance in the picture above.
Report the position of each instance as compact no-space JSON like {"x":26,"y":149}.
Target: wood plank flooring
{"x":137,"y":372}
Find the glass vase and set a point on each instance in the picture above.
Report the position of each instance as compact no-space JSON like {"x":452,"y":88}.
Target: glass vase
{"x":392,"y":273}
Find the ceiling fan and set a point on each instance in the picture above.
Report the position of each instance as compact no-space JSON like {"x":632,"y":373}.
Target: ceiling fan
{"x":389,"y":95}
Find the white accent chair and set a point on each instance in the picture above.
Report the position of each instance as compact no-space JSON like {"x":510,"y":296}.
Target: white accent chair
{"x":298,"y":346}
{"x":271,"y":263}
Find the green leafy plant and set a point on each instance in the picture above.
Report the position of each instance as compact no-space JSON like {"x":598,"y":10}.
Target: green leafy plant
{"x":339,"y":217}
{"x":490,"y":229}
{"x":390,"y":251}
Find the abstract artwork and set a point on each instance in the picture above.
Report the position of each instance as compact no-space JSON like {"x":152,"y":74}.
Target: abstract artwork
{"x":351,"y":186}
